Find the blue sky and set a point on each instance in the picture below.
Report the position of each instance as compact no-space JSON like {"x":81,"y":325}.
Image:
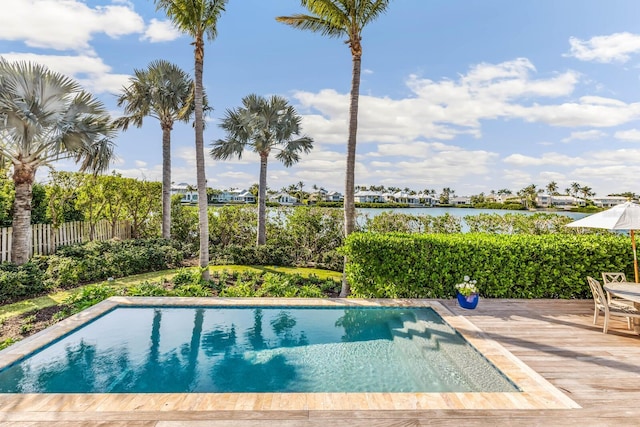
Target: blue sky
{"x":475,"y":95}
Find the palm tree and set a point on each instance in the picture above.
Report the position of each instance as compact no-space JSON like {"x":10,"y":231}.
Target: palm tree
{"x":552,"y":188}
{"x":165,"y":92}
{"x":264,"y":125}
{"x":587,"y":192}
{"x":446,"y":194}
{"x":343,"y":18}
{"x":198,"y":18}
{"x":45,"y":117}
{"x":575,"y":188}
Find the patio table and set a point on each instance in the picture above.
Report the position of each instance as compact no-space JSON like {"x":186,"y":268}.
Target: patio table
{"x":629,"y":291}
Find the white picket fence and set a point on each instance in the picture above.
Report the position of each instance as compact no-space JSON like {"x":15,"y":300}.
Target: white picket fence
{"x":45,"y":238}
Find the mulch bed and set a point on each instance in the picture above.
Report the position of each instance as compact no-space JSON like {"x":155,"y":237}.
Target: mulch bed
{"x":24,"y":325}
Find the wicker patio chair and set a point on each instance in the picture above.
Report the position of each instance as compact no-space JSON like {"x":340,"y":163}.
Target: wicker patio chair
{"x":609,"y":309}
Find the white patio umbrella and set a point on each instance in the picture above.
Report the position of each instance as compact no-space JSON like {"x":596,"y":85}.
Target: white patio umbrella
{"x":625,"y":216}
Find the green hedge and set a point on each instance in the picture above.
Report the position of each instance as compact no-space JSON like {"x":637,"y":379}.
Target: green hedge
{"x":92,"y":261}
{"x":505,"y":266}
{"x":81,"y":263}
{"x":18,"y":282}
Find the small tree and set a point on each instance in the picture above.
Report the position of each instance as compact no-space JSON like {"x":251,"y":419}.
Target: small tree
{"x":263,"y":125}
{"x":45,"y":117}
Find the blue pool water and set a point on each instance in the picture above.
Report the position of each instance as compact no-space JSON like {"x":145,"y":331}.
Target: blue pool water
{"x":251,"y":349}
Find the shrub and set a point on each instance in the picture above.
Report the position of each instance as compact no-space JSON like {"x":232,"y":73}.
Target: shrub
{"x":505,"y":266}
{"x":239,"y":290}
{"x":146,"y":289}
{"x":93,"y":261}
{"x":276,"y":285}
{"x":188,"y":276}
{"x":256,"y":255}
{"x":17,"y":282}
{"x":87,"y":297}
{"x":191,"y":290}
{"x":7,"y":342}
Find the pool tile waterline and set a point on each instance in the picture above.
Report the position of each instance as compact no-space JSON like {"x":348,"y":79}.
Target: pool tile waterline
{"x":536,"y":392}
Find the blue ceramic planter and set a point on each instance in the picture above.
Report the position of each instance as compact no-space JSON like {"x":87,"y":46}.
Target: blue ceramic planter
{"x":469,"y":302}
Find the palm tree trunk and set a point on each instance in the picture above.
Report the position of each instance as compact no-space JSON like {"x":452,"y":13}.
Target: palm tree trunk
{"x":349,"y":200}
{"x":262,"y":202}
{"x":23,"y":177}
{"x":166,"y":182}
{"x":203,"y":219}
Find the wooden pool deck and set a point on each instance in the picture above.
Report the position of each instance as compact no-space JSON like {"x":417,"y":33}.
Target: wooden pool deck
{"x":601,"y":373}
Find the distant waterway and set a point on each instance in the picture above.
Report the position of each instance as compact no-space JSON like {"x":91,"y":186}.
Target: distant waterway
{"x":363,"y":213}
{"x":460,"y":212}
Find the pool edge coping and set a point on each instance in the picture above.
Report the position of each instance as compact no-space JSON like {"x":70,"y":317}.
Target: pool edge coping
{"x":536,"y":392}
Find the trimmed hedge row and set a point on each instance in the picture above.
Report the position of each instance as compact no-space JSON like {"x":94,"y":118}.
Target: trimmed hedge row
{"x":505,"y":266}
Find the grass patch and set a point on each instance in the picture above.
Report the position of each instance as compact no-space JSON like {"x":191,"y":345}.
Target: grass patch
{"x":304,"y":272}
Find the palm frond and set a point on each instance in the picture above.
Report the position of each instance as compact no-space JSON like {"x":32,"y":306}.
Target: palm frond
{"x":194,"y":17}
{"x":226,"y":149}
{"x":313,"y":23}
{"x":46,"y":115}
{"x":162,"y":90}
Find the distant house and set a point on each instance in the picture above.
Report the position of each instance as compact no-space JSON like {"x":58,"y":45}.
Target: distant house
{"x":283,"y":199}
{"x":460,"y":200}
{"x":189,"y":193}
{"x":333,"y":196}
{"x":402,"y":197}
{"x":427,"y":199}
{"x":368,"y":197}
{"x":562,"y":202}
{"x":235,"y":196}
{"x":608,"y":201}
{"x":244,"y":196}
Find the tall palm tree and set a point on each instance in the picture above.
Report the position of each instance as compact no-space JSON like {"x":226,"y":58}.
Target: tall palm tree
{"x":44,"y":117}
{"x":198,"y":18}
{"x":343,"y":18}
{"x":165,"y":92}
{"x":264,"y":125}
{"x":552,"y":188}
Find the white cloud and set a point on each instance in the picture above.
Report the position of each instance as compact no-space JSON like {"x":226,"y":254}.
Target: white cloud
{"x":140,"y":163}
{"x":445,"y":109}
{"x":160,"y":31}
{"x":632,"y":135}
{"x":582,"y":113}
{"x":90,"y":71}
{"x":585,"y":135}
{"x":547,"y":159}
{"x":616,"y":47}
{"x":65,"y":24}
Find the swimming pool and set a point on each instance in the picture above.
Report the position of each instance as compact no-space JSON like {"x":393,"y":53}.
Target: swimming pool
{"x":259,"y":349}
{"x":535,"y":391}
